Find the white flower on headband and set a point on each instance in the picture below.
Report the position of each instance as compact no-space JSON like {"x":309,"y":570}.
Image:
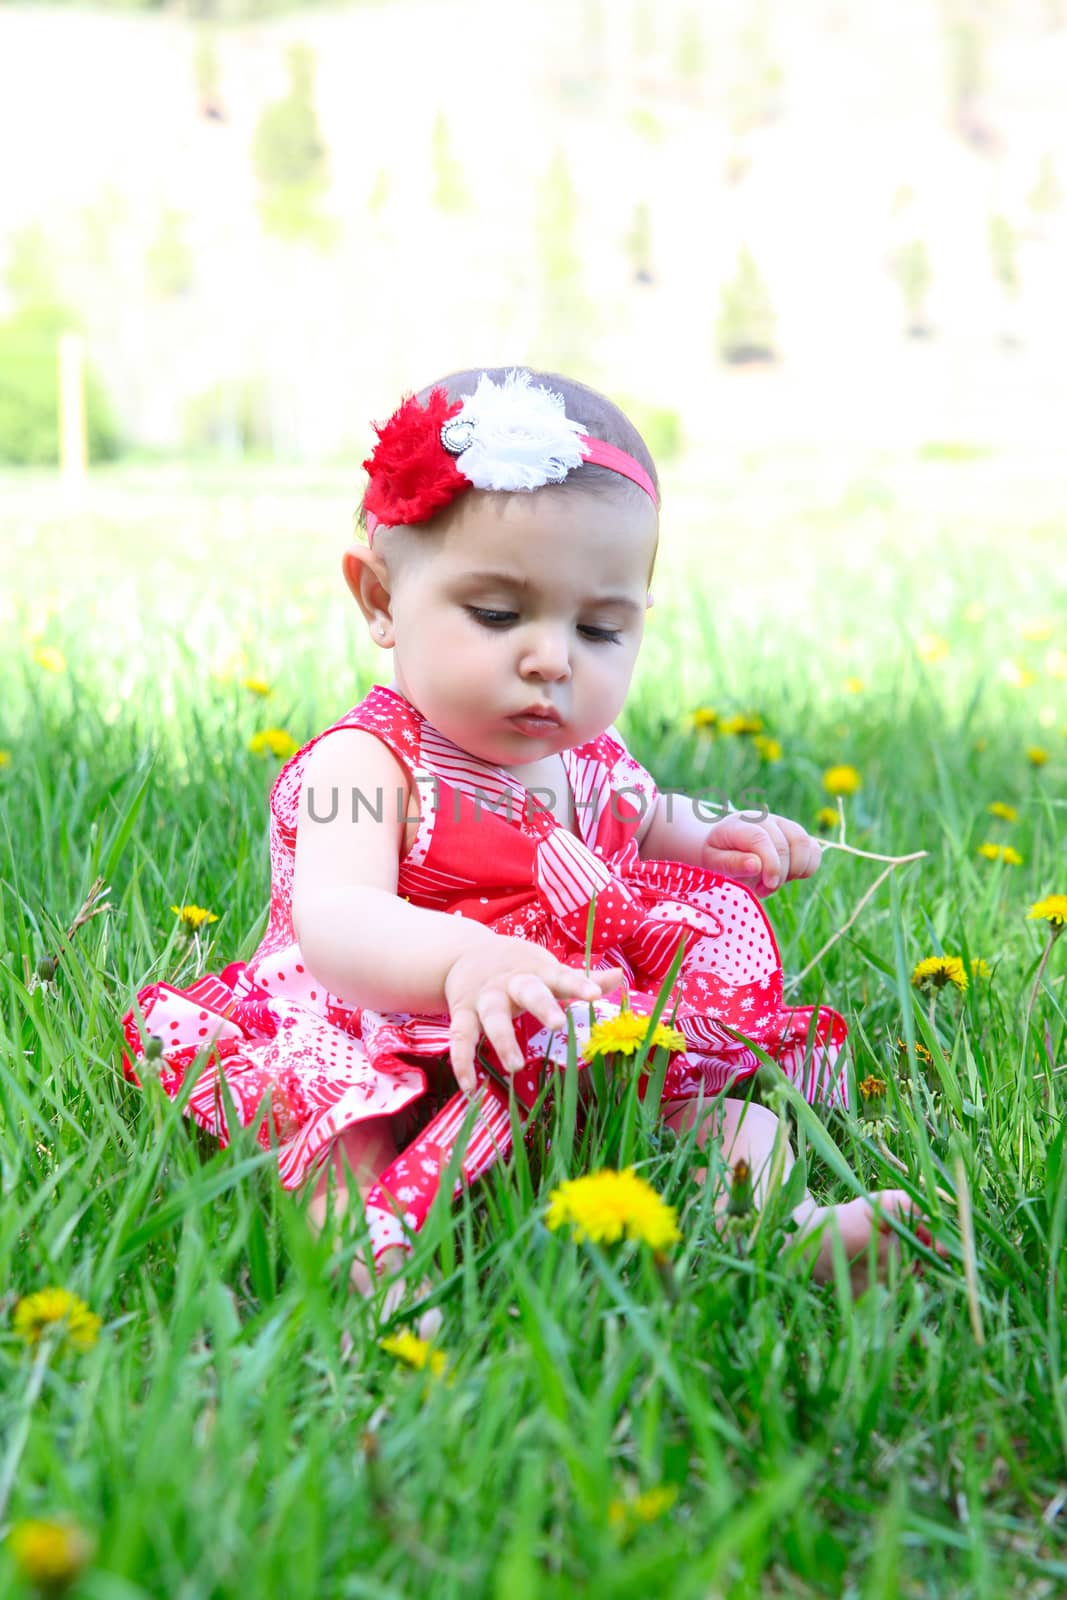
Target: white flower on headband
{"x":513,"y":436}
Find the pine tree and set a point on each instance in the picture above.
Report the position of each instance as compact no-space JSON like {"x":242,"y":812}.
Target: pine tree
{"x":746,"y":325}
{"x":290,"y":159}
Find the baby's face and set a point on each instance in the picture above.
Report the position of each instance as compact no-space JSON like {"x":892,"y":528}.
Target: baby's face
{"x":531,"y":600}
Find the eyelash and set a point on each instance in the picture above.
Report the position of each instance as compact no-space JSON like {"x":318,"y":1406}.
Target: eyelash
{"x":501,"y":619}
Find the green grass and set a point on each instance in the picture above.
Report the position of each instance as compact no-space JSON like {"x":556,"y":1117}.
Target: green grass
{"x":236,"y":1430}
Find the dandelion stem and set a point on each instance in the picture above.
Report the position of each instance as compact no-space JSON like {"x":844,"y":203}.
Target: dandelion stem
{"x":1039,"y":974}
{"x":21,"y":1431}
{"x":868,"y":855}
{"x":91,"y":906}
{"x":894,"y":861}
{"x":970,"y":1259}
{"x":895,"y":1161}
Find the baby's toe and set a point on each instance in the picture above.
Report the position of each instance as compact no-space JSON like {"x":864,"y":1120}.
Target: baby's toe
{"x":429,"y":1324}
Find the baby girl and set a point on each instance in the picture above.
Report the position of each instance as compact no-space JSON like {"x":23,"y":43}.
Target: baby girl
{"x":444,"y":854}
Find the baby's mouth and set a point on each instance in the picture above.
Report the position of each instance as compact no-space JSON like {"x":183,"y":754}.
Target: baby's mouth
{"x":538,"y":713}
{"x":536,"y":724}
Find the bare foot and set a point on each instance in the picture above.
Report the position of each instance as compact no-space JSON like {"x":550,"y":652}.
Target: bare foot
{"x":858,"y":1223}
{"x":388,"y":1265}
{"x":428,"y":1325}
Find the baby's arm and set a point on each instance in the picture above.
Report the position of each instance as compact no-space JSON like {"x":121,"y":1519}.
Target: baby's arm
{"x":765,"y":853}
{"x":371,"y":948}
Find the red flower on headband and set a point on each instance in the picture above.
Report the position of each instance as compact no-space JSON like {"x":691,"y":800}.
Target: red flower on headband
{"x":412,"y":475}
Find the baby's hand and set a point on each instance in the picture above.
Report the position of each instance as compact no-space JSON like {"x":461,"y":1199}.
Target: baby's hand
{"x":490,"y":985}
{"x":770,"y":852}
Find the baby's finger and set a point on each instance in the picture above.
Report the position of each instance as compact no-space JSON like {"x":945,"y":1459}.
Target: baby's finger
{"x":463,"y":1034}
{"x":609,"y":978}
{"x":742,"y":850}
{"x":804,"y":852}
{"x":569,"y":983}
{"x":533,"y":995}
{"x":776,"y":870}
{"x":494,"y":1008}
{"x":739,"y":864}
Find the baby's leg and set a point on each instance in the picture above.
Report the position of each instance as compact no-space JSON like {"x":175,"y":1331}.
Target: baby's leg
{"x":748,"y":1134}
{"x":358,"y":1157}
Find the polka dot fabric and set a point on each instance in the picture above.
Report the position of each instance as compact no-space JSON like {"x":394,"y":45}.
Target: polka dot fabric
{"x":300,"y":1065}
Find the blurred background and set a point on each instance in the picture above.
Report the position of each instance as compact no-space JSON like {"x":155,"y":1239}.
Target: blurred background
{"x":816,"y":248}
{"x":750,"y":220}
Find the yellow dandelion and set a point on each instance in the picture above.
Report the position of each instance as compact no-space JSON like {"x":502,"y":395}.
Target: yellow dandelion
{"x":50,"y":658}
{"x":936,"y":972}
{"x":826,"y":818}
{"x":258,"y":686}
{"x":646,"y":1507}
{"x":704,"y":717}
{"x":743,"y":725}
{"x":5,"y":758}
{"x":276,"y":740}
{"x":1052,"y":909}
{"x":768,"y":749}
{"x":49,"y":1554}
{"x":1006,"y":813}
{"x":854,"y":686}
{"x":921,"y":1052}
{"x":1037,"y":755}
{"x":1056,"y":663}
{"x":606,"y":1205}
{"x":626,"y":1033}
{"x":1017,"y":676}
{"x":980,"y":968}
{"x":1039,"y":631}
{"x":932,"y":648}
{"x":872,"y":1088}
{"x":1000,"y":852}
{"x":841,"y":780}
{"x":36,"y":1314}
{"x":193,"y":917}
{"x":415,"y":1352}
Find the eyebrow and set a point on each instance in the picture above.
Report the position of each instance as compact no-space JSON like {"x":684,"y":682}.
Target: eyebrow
{"x":508,"y":581}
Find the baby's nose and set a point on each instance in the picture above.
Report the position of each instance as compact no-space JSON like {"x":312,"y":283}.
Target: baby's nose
{"x":547,"y":655}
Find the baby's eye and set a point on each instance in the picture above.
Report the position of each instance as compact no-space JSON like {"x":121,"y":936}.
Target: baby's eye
{"x":504,"y":619}
{"x":492,"y":619}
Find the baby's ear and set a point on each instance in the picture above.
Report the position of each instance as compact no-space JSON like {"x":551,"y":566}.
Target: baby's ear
{"x":367,"y":577}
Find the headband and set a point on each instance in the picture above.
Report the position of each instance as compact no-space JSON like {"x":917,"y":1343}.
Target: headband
{"x":506,"y":436}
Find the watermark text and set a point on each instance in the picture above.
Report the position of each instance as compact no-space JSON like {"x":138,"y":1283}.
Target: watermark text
{"x":707,"y":804}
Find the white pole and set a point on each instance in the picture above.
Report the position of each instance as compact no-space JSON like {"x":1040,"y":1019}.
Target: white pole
{"x":73,"y":443}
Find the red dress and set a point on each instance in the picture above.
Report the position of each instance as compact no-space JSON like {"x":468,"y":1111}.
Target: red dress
{"x":484,"y":848}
